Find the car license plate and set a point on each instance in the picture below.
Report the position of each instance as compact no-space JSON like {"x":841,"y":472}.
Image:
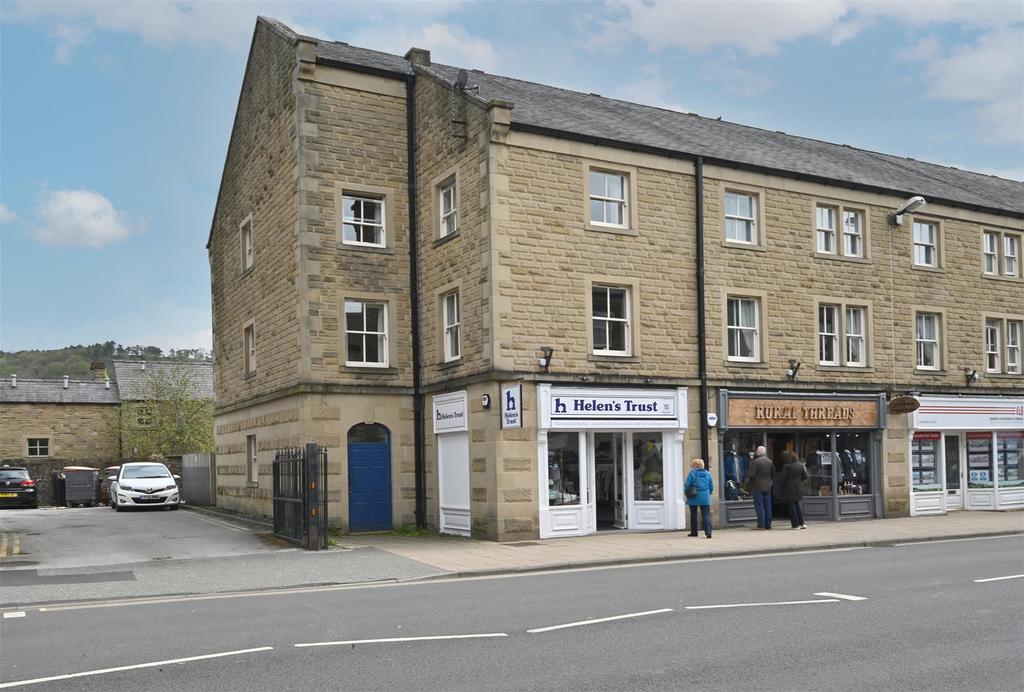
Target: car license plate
{"x":149,"y":497}
{"x":8,"y":494}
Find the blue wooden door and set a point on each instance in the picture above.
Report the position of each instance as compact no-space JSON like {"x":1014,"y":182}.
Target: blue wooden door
{"x":369,"y":482}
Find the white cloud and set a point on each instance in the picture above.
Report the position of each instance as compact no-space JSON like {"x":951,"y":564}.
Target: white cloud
{"x":82,"y":218}
{"x":448,"y":44}
{"x":6,"y":215}
{"x":988,"y":74}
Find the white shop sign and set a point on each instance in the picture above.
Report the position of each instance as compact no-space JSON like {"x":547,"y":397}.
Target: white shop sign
{"x":450,"y":412}
{"x":604,"y":408}
{"x":511,"y":406}
{"x":961,"y":413}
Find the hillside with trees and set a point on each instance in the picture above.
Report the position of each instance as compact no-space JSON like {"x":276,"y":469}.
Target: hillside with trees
{"x":74,"y":361}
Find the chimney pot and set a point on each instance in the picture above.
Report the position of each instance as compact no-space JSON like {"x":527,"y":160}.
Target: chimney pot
{"x":106,"y":384}
{"x":66,"y":378}
{"x":14,"y":380}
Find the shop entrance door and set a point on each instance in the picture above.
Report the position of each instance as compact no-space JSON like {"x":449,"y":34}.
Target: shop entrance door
{"x":954,"y":473}
{"x":609,"y":479}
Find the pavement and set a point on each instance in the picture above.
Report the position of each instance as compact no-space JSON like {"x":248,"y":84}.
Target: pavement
{"x":391,"y":557}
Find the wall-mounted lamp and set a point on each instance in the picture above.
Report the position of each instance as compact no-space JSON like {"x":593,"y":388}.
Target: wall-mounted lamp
{"x":971,"y":375}
{"x":912,"y":204}
{"x":545,"y":360}
{"x":793,"y":369}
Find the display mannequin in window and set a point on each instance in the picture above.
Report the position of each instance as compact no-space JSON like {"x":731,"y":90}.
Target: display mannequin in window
{"x":699,"y":480}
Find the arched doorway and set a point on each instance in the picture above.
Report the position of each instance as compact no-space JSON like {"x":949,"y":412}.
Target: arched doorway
{"x":369,"y":477}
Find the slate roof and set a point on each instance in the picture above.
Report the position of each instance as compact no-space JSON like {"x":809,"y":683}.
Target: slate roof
{"x":131,"y":377}
{"x":591,"y":117}
{"x":53,"y":392}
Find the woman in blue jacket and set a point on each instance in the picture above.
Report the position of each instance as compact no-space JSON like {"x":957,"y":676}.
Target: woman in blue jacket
{"x":700,"y":481}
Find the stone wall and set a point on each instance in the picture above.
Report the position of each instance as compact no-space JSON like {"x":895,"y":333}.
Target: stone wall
{"x":77,"y":432}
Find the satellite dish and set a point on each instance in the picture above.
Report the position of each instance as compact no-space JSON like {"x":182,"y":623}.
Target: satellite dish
{"x":462,"y":80}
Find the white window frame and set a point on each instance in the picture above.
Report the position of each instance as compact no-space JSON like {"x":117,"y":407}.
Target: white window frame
{"x":363,"y":221}
{"x":41,"y":448}
{"x":451,"y":317}
{"x":246,"y":241}
{"x":826,"y":236}
{"x":1011,"y":255}
{"x":993,"y":346}
{"x":1014,"y":335}
{"x":607,"y":200}
{"x":855,"y":237}
{"x":367,"y":334}
{"x":926,"y":343}
{"x":828,"y":334}
{"x":735,"y":331}
{"x":448,"y":208}
{"x":249,"y":348}
{"x":252,"y":469}
{"x":852,"y":336}
{"x":926,"y":250}
{"x":625,"y":320}
{"x":990,"y":253}
{"x":737,"y":218}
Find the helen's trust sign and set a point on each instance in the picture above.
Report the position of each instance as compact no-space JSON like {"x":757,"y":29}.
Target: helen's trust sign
{"x":511,"y":405}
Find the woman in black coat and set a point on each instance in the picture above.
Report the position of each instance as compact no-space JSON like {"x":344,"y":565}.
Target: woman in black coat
{"x":791,"y":491}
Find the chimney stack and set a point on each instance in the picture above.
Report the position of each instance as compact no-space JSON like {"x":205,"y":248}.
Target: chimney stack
{"x":99,"y":371}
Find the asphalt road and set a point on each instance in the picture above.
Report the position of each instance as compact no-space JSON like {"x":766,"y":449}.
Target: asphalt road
{"x":787,"y":622}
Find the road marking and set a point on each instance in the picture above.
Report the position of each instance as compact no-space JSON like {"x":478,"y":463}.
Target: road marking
{"x":594,"y":622}
{"x":841,"y":596}
{"x":1012,"y":576}
{"x":14,"y":614}
{"x":750,"y":605}
{"x":405,"y":639}
{"x":225,"y":524}
{"x":959,"y":540}
{"x":137,"y":666}
{"x":17,"y":545}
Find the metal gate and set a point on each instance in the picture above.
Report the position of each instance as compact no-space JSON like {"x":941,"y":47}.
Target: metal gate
{"x":300,"y":496}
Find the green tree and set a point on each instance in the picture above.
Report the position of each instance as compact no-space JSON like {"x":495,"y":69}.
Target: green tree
{"x":169,"y":419}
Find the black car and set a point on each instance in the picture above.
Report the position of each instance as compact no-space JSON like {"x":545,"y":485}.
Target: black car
{"x":17,"y":489}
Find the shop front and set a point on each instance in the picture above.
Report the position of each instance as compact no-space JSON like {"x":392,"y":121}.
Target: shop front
{"x":838,"y":437}
{"x":610,"y":459}
{"x":966,"y":453}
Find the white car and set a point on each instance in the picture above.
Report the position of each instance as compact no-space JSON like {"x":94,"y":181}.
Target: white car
{"x":144,"y":484}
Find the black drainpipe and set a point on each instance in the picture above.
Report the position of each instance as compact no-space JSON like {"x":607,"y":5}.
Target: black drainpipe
{"x":414,"y":300}
{"x":702,"y":358}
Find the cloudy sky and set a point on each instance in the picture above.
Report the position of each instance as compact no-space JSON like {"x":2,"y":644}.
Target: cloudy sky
{"x":116,"y":115}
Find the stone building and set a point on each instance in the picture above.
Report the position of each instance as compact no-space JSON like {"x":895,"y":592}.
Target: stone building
{"x":510,"y":310}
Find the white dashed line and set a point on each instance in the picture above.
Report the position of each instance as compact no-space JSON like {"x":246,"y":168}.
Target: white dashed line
{"x":841,"y":596}
{"x":14,"y":614}
{"x":751,"y":605}
{"x":405,"y":639}
{"x":595,"y":621}
{"x":1012,"y":576}
{"x":19,"y":683}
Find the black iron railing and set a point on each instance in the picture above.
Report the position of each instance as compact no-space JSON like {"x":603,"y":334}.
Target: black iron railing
{"x":300,"y":496}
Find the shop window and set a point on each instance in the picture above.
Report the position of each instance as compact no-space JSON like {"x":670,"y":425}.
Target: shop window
{"x":648,"y":467}
{"x":609,"y":199}
{"x":744,"y":329}
{"x":741,"y":218}
{"x":854,"y":452}
{"x":451,"y":314}
{"x":738,"y":450}
{"x":924,"y":462}
{"x":39,"y":446}
{"x":927,"y":333}
{"x":610,"y":318}
{"x":820,"y":462}
{"x":563,"y":469}
{"x":362,"y":221}
{"x":366,"y":334}
{"x":926,"y":244}
{"x":979,"y":460}
{"x":1009,"y":458}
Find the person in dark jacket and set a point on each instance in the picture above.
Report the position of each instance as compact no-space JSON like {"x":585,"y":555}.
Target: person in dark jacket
{"x":791,"y":490}
{"x":700,"y":480}
{"x":759,"y":483}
